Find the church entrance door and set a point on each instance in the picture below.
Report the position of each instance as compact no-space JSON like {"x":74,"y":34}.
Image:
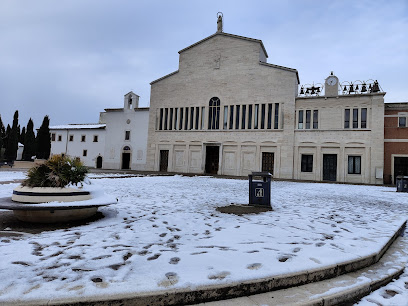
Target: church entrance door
{"x":212,"y":159}
{"x":125,"y":160}
{"x":164,"y":160}
{"x":99,"y":162}
{"x":329,"y":167}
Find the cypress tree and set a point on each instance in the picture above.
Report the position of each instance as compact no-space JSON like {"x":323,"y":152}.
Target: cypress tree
{"x":2,"y":136}
{"x":29,"y":141}
{"x":44,"y":139}
{"x":2,"y":133}
{"x":12,"y":141}
{"x":18,"y":133}
{"x":22,"y":135}
{"x":6,"y":136}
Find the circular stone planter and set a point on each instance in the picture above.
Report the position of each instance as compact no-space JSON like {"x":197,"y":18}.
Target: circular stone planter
{"x":55,"y":216}
{"x":37,"y":204}
{"x":24,"y":194}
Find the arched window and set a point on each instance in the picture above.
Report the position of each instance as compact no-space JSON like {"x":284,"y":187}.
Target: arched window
{"x":214,"y":114}
{"x":126,"y":148}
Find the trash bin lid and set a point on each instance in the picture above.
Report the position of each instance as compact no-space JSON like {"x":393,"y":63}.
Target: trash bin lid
{"x":267,"y":174}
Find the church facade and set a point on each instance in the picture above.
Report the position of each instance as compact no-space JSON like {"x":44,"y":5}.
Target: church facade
{"x":227,"y":111}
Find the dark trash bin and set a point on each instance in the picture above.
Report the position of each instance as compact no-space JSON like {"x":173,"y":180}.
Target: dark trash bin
{"x":260,"y":188}
{"x":402,"y":183}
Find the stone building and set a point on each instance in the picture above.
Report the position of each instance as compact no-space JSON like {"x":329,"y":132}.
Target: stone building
{"x":118,"y":141}
{"x":86,"y":141}
{"x":395,"y":141}
{"x":227,"y":111}
{"x":126,"y":134}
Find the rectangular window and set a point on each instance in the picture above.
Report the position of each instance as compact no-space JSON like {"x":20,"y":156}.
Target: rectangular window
{"x":186,"y":119}
{"x":402,"y":122}
{"x":95,"y":138}
{"x":171,"y":119}
{"x":166,"y":115}
{"x":355,"y":118}
{"x":268,"y":162}
{"x":59,"y":138}
{"x":202,"y":117}
{"x":181,"y":118}
{"x":231,"y":121}
{"x":237,"y":117}
{"x":308,"y":114}
{"x":256,"y":114}
{"x":269,"y":116}
{"x":175,"y":118}
{"x":84,"y":152}
{"x":363,"y":118}
{"x":243,"y":117}
{"x":307,"y":163}
{"x":300,"y":119}
{"x":262,"y":116}
{"x":249,"y":116}
{"x":53,"y":137}
{"x":347,"y":118}
{"x":354,"y":164}
{"x":191,"y":118}
{"x":197,"y":120}
{"x":161,"y":120}
{"x":276,"y":123}
{"x":225,"y":117}
{"x":83,"y":138}
{"x":315,"y":119}
{"x":71,"y":137}
{"x":127,"y":135}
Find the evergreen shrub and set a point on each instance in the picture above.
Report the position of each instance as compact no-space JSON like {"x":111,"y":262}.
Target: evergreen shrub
{"x":57,"y":171}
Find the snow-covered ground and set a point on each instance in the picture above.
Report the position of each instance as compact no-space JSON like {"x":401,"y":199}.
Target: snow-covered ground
{"x":166,"y":233}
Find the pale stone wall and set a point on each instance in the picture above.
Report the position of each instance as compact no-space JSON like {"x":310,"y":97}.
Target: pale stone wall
{"x":76,"y":147}
{"x":332,"y":138}
{"x":227,"y":68}
{"x":118,"y":121}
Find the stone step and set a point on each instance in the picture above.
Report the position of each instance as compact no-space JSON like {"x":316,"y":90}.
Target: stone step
{"x":347,"y":288}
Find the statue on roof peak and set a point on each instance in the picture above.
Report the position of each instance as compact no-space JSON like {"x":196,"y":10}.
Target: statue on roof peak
{"x":219,"y":22}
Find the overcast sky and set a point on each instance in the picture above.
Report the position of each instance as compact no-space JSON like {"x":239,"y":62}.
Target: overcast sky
{"x":70,"y":59}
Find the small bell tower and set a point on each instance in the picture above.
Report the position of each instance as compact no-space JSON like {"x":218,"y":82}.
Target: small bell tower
{"x":131,"y":101}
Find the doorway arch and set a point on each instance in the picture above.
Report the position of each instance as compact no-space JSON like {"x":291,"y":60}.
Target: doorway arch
{"x":126,"y":154}
{"x":99,"y":162}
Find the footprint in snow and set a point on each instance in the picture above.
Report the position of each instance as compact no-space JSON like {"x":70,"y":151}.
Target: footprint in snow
{"x":284,"y":258}
{"x":389,"y":294}
{"x":99,"y":282}
{"x":101,"y":257}
{"x":320,"y":244}
{"x":198,"y":253}
{"x":219,"y":276}
{"x":295,"y":250}
{"x":315,"y":260}
{"x":154,"y":257}
{"x":174,"y":260}
{"x":254,"y":266}
{"x":253,"y":251}
{"x":171,"y":278}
